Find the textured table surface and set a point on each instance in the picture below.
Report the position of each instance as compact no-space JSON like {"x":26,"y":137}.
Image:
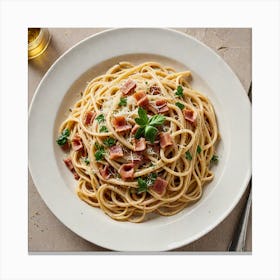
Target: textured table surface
{"x":45,"y":232}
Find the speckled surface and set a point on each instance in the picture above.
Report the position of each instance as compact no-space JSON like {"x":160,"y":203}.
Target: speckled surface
{"x":45,"y":232}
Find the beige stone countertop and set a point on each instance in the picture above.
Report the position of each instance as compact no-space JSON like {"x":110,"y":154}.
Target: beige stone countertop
{"x":45,"y":232}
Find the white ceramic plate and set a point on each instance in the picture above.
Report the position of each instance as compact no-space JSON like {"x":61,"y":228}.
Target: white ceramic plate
{"x":60,"y":87}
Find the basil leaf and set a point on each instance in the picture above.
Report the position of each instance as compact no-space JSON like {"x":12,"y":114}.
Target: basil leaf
{"x":148,"y":126}
{"x":140,"y":121}
{"x":143,"y":115}
{"x":150,"y":133}
{"x":140,"y":132}
{"x":156,"y":120}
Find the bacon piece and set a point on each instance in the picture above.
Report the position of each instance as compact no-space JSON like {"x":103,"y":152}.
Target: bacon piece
{"x":105,"y":171}
{"x":120,"y":124}
{"x":76,"y":175}
{"x":142,"y":98}
{"x":139,"y":144}
{"x":127,"y":171}
{"x":165,"y":140}
{"x":155,"y":148}
{"x":143,"y":102}
{"x":139,"y":95}
{"x":159,"y":185}
{"x":128,"y":87}
{"x":77,"y":143}
{"x":155,"y":90}
{"x":134,"y":128}
{"x":116,"y":152}
{"x":69,"y":164}
{"x":161,"y":106}
{"x":89,"y":117}
{"x":66,"y":147}
{"x":151,"y":109}
{"x":189,"y":115}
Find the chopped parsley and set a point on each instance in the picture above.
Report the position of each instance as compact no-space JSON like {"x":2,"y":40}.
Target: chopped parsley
{"x":109,"y":142}
{"x":143,"y":187}
{"x":100,"y":152}
{"x":215,"y":159}
{"x":123,"y":101}
{"x":146,"y":182}
{"x":100,"y":118}
{"x":97,"y":146}
{"x":180,"y":105}
{"x":179,"y":91}
{"x":148,"y":126}
{"x":188,"y":155}
{"x":103,"y":128}
{"x":198,"y":149}
{"x":86,"y":160}
{"x":63,"y":138}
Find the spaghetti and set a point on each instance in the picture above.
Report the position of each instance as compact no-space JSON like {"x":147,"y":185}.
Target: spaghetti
{"x":140,"y":140}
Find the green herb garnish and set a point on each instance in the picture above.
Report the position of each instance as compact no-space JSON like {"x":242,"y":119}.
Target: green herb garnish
{"x":100,"y":152}
{"x":156,"y":120}
{"x":63,"y":138}
{"x":151,"y":179}
{"x":97,"y":146}
{"x":146,"y":182}
{"x":180,"y":105}
{"x":100,"y":118}
{"x":109,"y":142}
{"x":103,"y":129}
{"x":148,"y":126}
{"x":150,"y":133}
{"x":215,"y":159}
{"x":188,"y":155}
{"x":86,"y":160}
{"x":179,"y":91}
{"x":123,"y":101}
{"x":143,"y":187}
{"x":198,"y":149}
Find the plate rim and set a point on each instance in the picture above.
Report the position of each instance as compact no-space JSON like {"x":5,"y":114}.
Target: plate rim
{"x":245,"y":179}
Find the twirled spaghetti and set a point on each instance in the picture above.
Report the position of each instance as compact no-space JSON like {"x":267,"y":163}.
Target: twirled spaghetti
{"x":140,"y":140}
